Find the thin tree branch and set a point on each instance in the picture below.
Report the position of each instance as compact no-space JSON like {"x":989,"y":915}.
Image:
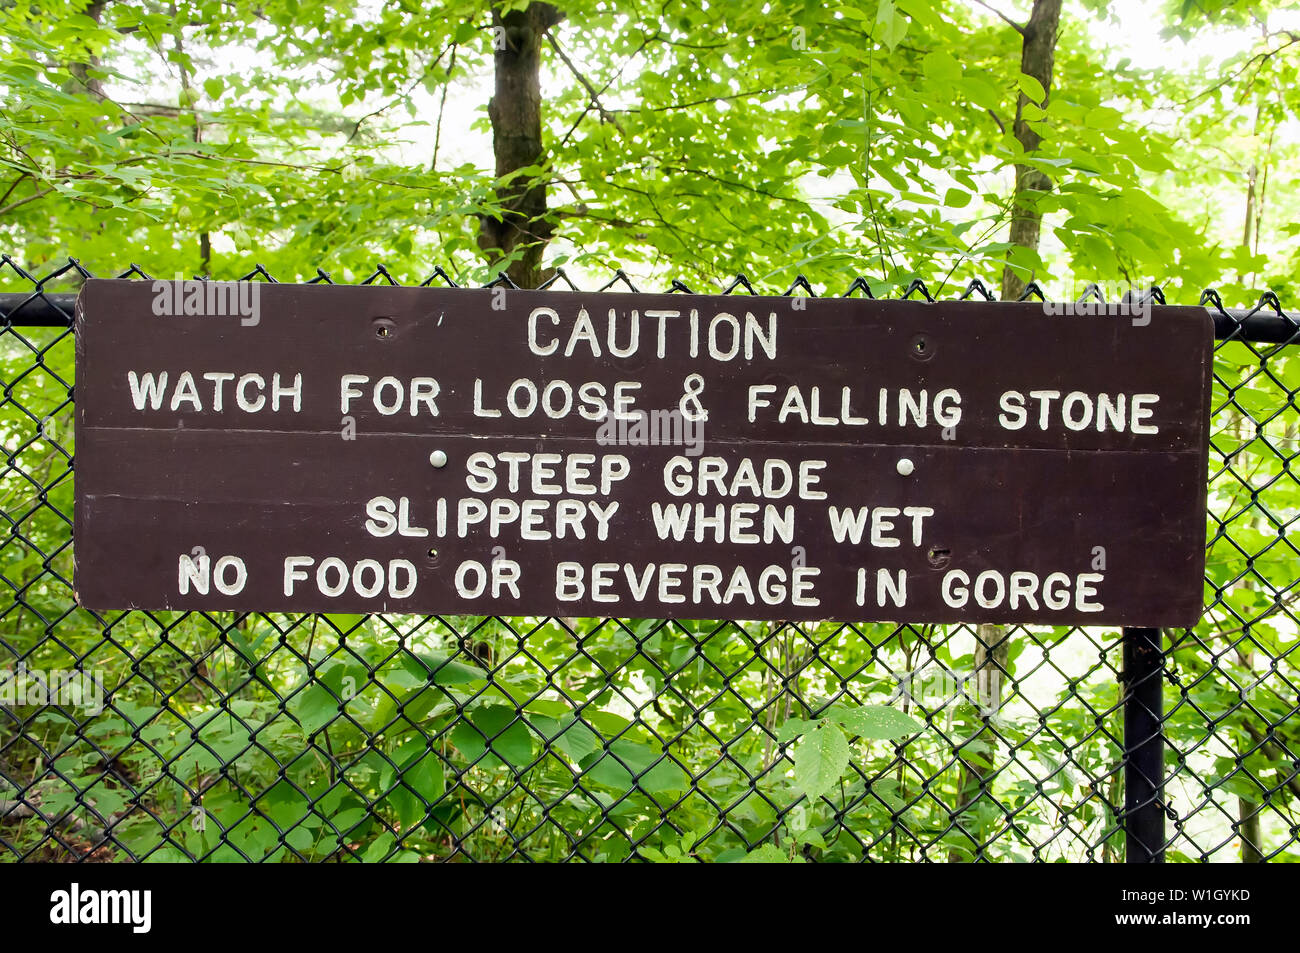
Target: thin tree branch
{"x":442,"y":106}
{"x":1258,"y":58}
{"x":21,"y":202}
{"x":713,"y":99}
{"x":1018,"y":27}
{"x":605,"y":115}
{"x":17,"y":182}
{"x":356,"y":129}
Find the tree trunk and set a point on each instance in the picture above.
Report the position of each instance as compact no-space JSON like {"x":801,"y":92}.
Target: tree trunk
{"x":188,"y":99}
{"x":1036,"y":57}
{"x":992,"y":656}
{"x":82,"y":80}
{"x":516,"y":113}
{"x":1248,"y":831}
{"x":992,"y":643}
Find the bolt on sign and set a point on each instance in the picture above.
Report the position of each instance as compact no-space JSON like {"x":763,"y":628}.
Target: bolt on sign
{"x":324,"y":448}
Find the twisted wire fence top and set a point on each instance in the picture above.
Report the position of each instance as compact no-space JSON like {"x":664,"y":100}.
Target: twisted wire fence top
{"x":250,"y":736}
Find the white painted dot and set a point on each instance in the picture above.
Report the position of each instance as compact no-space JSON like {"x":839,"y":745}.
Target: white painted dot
{"x":905,"y":467}
{"x":438,"y":459}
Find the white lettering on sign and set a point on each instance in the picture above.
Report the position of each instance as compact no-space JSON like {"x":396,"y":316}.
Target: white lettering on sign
{"x":723,"y":523}
{"x":252,"y":392}
{"x":771,"y":479}
{"x":390,"y":396}
{"x":849,"y":524}
{"x":549,"y":474}
{"x":703,"y":584}
{"x":228,"y":575}
{"x":368,"y":578}
{"x":851,"y":407}
{"x":723,"y":337}
{"x":1077,"y":410}
{"x":472,"y":578}
{"x":994,"y":590}
{"x":558,"y":399}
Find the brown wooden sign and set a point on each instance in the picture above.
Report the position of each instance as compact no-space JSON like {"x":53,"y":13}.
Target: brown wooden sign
{"x":354,"y":449}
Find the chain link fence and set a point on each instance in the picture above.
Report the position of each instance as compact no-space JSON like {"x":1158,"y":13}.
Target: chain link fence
{"x":153,"y":736}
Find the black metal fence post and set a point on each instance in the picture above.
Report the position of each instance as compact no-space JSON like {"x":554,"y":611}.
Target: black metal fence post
{"x":1144,"y":747}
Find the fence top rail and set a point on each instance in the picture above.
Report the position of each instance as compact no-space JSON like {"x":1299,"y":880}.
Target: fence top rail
{"x":38,"y":309}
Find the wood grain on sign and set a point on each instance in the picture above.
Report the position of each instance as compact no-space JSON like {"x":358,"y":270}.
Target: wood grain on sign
{"x":353,"y":449}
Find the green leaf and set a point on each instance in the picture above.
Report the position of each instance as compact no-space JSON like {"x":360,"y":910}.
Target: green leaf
{"x":792,"y":728}
{"x":300,"y":839}
{"x":766,"y":854}
{"x":1032,"y":88}
{"x":891,"y":26}
{"x":820,"y":760}
{"x":628,"y":763}
{"x":941,"y":67}
{"x":418,"y":782}
{"x":439,"y":668}
{"x":876,"y":722}
{"x":494,"y":733}
{"x":332,"y":686}
{"x":379,"y":848}
{"x":568,"y":735}
{"x":811,"y":837}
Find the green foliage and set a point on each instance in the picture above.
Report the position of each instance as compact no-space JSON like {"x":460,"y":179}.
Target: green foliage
{"x":822,"y":757}
{"x":832,"y":139}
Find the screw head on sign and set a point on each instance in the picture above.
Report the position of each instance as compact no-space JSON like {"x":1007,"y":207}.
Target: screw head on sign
{"x":905,"y":467}
{"x":438,"y":459}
